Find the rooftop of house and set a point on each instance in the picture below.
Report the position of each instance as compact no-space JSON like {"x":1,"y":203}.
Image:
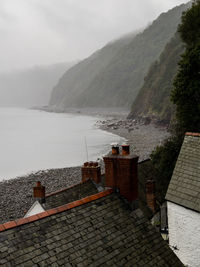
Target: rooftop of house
{"x":99,"y":229}
{"x":63,"y":196}
{"x":70,"y":194}
{"x":184,"y":187}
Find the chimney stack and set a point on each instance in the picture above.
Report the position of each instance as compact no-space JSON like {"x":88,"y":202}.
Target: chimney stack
{"x":91,"y":170}
{"x":39,"y":192}
{"x":150,"y":195}
{"x":121,"y":174}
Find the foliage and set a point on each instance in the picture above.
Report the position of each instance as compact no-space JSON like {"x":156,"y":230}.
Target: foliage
{"x":164,"y":159}
{"x":189,"y":28}
{"x":185,"y":94}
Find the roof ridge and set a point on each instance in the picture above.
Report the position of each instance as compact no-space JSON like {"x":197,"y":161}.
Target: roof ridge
{"x":21,"y":221}
{"x":66,"y":188}
{"x":192,"y":134}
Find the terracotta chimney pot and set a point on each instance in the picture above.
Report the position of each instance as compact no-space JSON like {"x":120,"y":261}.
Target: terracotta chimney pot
{"x":95,"y":164}
{"x":125,"y":150}
{"x":91,"y":164}
{"x":115,"y":149}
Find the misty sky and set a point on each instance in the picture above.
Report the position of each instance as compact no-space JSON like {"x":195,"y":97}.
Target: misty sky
{"x":38,"y":32}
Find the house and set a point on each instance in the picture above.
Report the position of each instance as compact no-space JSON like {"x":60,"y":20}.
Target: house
{"x":183,"y":202}
{"x":104,"y":227}
{"x":48,"y":201}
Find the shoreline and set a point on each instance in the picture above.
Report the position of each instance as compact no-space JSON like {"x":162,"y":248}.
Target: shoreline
{"x":16,"y":194}
{"x":142,"y":138}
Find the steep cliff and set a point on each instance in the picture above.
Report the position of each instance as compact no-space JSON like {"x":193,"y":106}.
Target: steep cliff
{"x":153,"y":100}
{"x":113,"y":75}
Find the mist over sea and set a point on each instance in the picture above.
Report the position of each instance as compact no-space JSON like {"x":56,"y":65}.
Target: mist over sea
{"x":32,"y":140}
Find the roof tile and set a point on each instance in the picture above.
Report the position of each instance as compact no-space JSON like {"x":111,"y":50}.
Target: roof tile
{"x":9,"y":225}
{"x":185,"y":182}
{"x":2,"y":228}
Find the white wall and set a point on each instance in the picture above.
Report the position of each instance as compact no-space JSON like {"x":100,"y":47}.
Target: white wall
{"x":184,"y":233}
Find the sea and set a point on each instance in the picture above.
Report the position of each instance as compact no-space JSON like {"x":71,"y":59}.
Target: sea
{"x":33,"y":140}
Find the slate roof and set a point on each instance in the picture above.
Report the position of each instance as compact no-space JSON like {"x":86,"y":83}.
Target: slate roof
{"x":184,"y":187}
{"x":70,"y":194}
{"x":97,"y":230}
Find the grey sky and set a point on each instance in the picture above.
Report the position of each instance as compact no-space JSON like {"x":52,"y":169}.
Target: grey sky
{"x":37,"y":32}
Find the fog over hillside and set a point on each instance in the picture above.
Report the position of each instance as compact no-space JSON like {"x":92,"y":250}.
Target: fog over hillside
{"x":30,"y":87}
{"x":36,"y":32}
{"x":113,"y":76}
{"x":41,"y":33}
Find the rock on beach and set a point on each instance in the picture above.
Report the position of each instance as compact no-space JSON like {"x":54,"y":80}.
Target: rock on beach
{"x":143,"y":138}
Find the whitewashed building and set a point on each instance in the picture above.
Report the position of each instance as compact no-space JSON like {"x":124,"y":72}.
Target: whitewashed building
{"x":183,"y":203}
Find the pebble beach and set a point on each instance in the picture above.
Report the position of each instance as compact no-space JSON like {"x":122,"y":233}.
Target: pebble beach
{"x":16,"y":194}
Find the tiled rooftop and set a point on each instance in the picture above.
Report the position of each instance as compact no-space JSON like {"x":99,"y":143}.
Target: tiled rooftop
{"x":70,"y":194}
{"x":184,"y":188}
{"x":97,"y":230}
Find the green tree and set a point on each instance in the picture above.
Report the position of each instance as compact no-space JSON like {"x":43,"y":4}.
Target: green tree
{"x":189,"y":29}
{"x":185,"y":94}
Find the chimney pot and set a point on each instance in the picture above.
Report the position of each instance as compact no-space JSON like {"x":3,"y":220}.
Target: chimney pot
{"x":86,"y":164}
{"x":95,"y":164}
{"x":115,"y":149}
{"x":38,"y":183}
{"x":125,"y":150}
{"x":39,"y":192}
{"x":91,"y":163}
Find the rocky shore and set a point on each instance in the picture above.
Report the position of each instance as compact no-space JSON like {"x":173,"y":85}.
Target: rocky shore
{"x":16,"y":194}
{"x":143,"y":138}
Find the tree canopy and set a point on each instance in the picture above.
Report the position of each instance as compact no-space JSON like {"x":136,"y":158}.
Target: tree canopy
{"x":189,"y":29}
{"x":185,"y":94}
{"x":186,"y":91}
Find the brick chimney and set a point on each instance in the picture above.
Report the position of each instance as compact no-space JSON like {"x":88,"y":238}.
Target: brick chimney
{"x":150,"y":195}
{"x":39,"y":192}
{"x":121,"y":174}
{"x":91,"y":170}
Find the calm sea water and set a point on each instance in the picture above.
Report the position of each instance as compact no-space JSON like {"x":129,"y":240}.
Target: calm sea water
{"x":32,"y":140}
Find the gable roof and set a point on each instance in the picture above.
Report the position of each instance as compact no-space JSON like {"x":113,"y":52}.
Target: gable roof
{"x":99,"y":229}
{"x":34,"y":209}
{"x":184,"y":187}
